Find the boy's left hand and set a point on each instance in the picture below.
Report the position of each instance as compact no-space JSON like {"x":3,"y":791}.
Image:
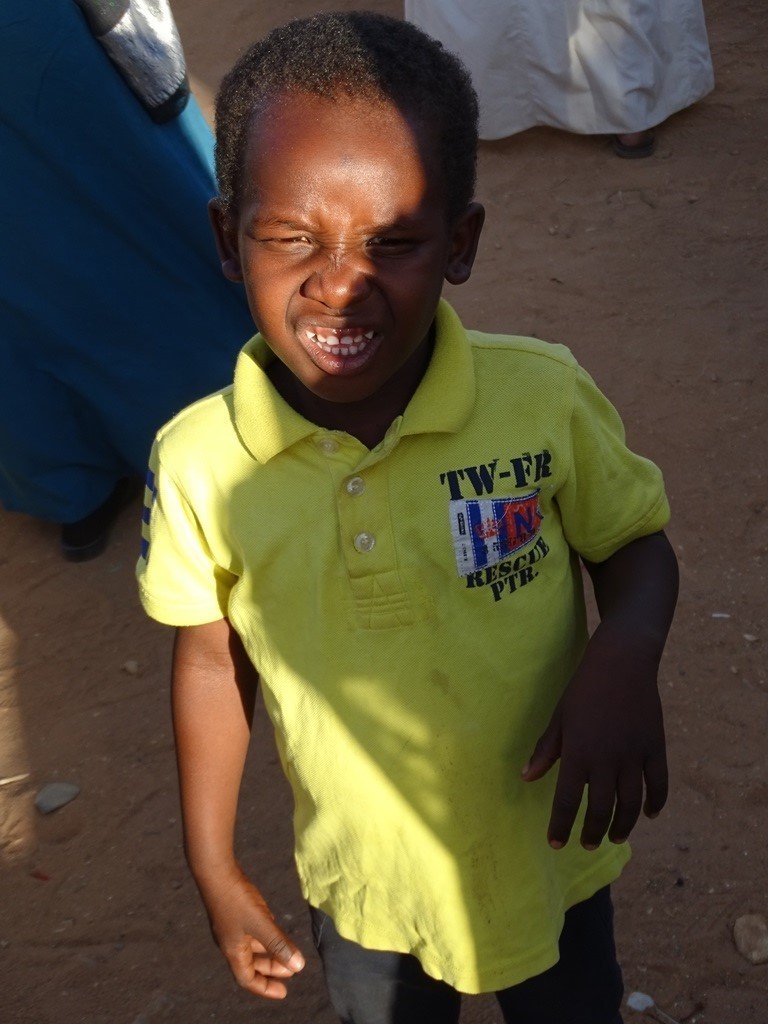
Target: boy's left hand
{"x":608,"y":733}
{"x":608,"y":729}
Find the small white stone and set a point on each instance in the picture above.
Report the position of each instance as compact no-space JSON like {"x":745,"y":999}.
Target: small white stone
{"x":750,"y":933}
{"x":643,"y":1003}
{"x":639,"y":1001}
{"x":131,"y":667}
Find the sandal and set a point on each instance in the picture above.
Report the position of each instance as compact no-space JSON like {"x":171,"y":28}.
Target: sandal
{"x":643,"y":147}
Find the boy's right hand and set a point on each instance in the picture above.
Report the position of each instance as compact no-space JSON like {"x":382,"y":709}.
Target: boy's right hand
{"x":260,"y":955}
{"x":213,"y":692}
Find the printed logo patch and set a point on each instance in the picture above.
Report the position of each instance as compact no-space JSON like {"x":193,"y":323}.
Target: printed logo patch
{"x":487,"y":530}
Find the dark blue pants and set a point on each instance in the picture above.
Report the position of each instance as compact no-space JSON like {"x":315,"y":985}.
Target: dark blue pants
{"x":373,"y":987}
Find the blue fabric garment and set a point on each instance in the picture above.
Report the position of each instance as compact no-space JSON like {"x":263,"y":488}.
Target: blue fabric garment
{"x":114,"y":313}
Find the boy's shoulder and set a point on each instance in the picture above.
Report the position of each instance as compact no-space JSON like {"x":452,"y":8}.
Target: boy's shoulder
{"x":202,"y":422}
{"x":502,"y":347}
{"x":522,"y":347}
{"x":476,"y":367}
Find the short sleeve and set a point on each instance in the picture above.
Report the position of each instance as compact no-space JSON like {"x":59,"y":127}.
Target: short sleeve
{"x":611,"y":495}
{"x":180,"y":583}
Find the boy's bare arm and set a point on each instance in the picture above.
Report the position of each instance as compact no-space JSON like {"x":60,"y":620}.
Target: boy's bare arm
{"x":608,"y":728}
{"x":213,"y":691}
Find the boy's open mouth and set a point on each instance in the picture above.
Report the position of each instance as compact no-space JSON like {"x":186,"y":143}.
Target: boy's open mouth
{"x":350,"y":342}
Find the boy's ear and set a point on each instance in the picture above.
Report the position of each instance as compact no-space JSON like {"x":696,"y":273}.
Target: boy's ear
{"x":225,"y":233}
{"x":466,"y":235}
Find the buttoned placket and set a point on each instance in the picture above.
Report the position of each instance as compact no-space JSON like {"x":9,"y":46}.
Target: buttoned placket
{"x":361,"y":502}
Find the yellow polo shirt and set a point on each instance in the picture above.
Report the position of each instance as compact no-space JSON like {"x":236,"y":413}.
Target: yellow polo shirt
{"x":414,"y":612}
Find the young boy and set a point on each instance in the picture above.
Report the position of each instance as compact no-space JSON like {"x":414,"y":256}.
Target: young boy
{"x":383,"y":517}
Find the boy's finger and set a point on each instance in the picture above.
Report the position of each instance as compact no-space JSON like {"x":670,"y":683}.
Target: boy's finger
{"x":267,"y":965}
{"x":545,"y":754}
{"x":656,"y":784}
{"x":245,"y":968}
{"x":629,"y":802}
{"x":266,"y":987}
{"x":565,"y":807}
{"x":280,"y":948}
{"x":601,"y":804}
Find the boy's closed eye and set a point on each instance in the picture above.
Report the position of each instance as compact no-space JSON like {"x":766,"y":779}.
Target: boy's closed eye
{"x":284,"y":240}
{"x":392,"y":244}
{"x":377,"y":246}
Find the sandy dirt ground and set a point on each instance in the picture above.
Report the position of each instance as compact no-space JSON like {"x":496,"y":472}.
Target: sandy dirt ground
{"x":654,"y":272}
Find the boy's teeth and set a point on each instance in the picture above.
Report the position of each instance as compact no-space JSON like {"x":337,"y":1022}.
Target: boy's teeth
{"x":345,"y":345}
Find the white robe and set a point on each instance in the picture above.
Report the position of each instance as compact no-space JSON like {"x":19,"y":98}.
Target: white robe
{"x":587,"y":66}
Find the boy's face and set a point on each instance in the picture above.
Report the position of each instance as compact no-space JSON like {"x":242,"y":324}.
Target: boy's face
{"x":342,"y":241}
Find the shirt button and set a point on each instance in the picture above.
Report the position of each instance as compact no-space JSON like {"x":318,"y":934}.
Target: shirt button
{"x":355,"y":485}
{"x":329,"y":446}
{"x":364,"y":542}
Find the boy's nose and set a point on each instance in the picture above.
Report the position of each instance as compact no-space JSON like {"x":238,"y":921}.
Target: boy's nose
{"x":341,"y":281}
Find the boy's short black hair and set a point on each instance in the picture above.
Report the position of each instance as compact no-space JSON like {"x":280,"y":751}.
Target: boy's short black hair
{"x":363,"y":55}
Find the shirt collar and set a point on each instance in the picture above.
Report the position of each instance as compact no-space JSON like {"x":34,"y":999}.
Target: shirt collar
{"x":442,"y":402}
